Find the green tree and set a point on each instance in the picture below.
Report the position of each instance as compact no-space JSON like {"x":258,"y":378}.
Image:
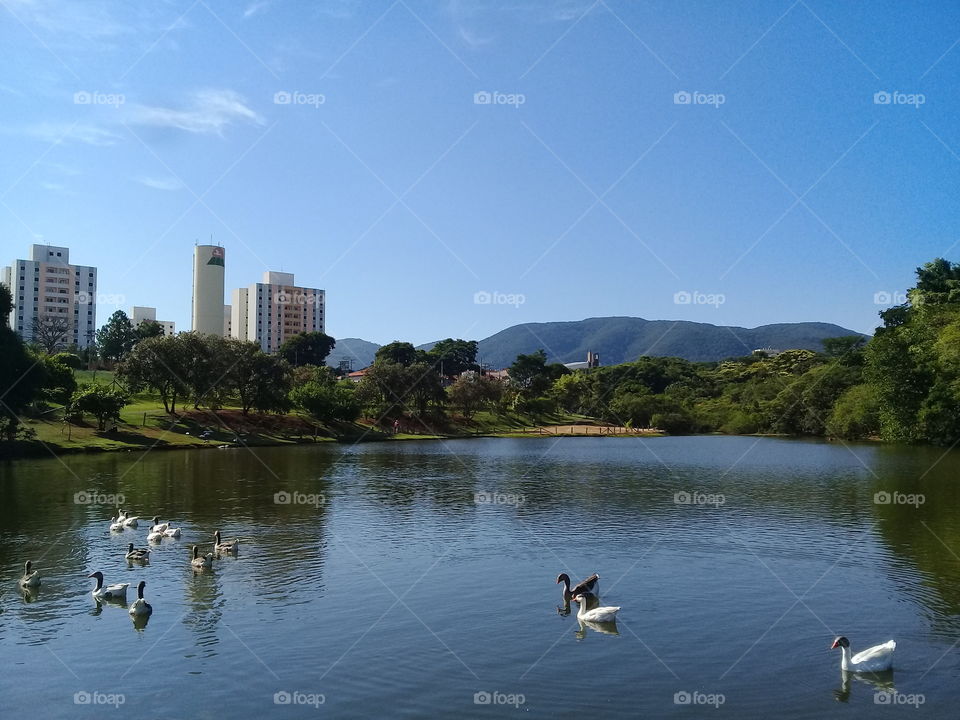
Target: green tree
{"x":309,"y":348}
{"x":843,"y":346}
{"x":263,"y":382}
{"x":21,"y":372}
{"x":453,"y":357}
{"x":156,"y":363}
{"x":533,"y":375}
{"x":472,"y":392}
{"x":327,"y":401}
{"x":117,"y":337}
{"x":102,"y":402}
{"x":206,"y":368}
{"x":58,"y":382}
{"x":856,"y":415}
{"x":69,"y":359}
{"x":400,"y":353}
{"x":148,"y":329}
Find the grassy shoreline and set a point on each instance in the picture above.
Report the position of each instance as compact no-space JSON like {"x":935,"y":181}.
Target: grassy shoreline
{"x":56,"y":439}
{"x":145,"y":425}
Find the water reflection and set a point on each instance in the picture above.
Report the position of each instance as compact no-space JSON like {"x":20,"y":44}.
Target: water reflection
{"x":607,"y":628}
{"x":140,"y":622}
{"x":206,"y":602}
{"x":880,"y":682}
{"x":797,"y":504}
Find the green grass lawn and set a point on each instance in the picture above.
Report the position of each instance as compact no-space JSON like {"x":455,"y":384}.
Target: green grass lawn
{"x":144,"y":424}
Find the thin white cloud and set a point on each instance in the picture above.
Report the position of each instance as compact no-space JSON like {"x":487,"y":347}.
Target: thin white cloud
{"x":209,"y":111}
{"x":472,"y":39}
{"x":254,"y":8}
{"x":89,"y":19}
{"x":63,"y":132}
{"x":165,"y":183}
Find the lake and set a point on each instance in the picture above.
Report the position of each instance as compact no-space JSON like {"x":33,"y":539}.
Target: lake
{"x":417,"y":579}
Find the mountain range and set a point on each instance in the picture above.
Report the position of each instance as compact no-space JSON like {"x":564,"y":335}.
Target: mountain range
{"x":623,"y":339}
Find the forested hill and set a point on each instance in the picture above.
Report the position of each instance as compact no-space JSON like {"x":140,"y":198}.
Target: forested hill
{"x":623,"y":339}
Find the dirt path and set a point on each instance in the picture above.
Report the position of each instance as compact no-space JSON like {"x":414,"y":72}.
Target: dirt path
{"x":589,"y":430}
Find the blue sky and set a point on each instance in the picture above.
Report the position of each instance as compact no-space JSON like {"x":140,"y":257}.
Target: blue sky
{"x":785,"y":190}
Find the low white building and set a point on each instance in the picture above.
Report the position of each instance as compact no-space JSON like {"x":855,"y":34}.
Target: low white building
{"x":140,"y":314}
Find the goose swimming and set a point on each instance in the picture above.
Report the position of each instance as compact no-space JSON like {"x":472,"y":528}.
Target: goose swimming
{"x":140,"y":607}
{"x":598,"y":614}
{"x":590,"y":585}
{"x":30,"y":580}
{"x":157,"y":525}
{"x":225,"y":547}
{"x":137,"y":554}
{"x":201,"y":563}
{"x":108,"y":592}
{"x":875,"y":659}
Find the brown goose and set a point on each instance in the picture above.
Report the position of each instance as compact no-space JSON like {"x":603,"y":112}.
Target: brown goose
{"x":590,"y":585}
{"x":201,"y":563}
{"x":225,"y":547}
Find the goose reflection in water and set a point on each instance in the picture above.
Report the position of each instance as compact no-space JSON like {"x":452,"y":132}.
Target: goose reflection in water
{"x":881,"y":682}
{"x":607,"y":628}
{"x":140,"y":622}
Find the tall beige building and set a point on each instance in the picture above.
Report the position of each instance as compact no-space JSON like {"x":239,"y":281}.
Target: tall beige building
{"x":208,"y":273}
{"x":271,"y":311}
{"x":48,"y":289}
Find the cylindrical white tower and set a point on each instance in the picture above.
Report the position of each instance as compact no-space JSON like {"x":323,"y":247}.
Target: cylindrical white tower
{"x":208,"y":270}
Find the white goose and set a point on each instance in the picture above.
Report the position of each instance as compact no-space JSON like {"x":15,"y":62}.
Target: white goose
{"x":30,"y":580}
{"x":875,"y":659}
{"x":172,"y":532}
{"x":155,"y":537}
{"x":116,"y":525}
{"x":157,"y":525}
{"x":140,"y":607}
{"x":129,"y":521}
{"x":109,"y":592}
{"x":201,"y":563}
{"x":597,"y":614}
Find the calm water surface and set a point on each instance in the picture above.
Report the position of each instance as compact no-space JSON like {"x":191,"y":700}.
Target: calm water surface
{"x":396,"y":594}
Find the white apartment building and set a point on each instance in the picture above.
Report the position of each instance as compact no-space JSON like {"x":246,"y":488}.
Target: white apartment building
{"x":140,"y":314}
{"x":271,"y":311}
{"x":48,"y":287}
